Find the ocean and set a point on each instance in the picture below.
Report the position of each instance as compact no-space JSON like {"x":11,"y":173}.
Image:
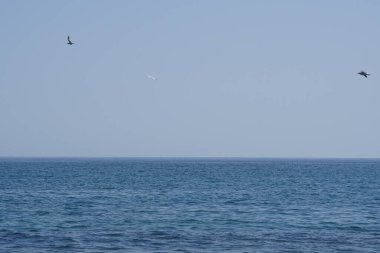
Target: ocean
{"x":189,"y":205}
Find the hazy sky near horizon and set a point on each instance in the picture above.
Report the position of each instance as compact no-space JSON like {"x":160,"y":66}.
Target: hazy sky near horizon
{"x":235,"y":78}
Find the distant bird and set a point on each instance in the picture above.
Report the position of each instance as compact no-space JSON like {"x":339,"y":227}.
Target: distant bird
{"x":363,"y":73}
{"x":70,"y":43}
{"x":151,"y":77}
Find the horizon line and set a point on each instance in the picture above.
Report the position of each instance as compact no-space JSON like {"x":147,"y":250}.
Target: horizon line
{"x":191,"y":157}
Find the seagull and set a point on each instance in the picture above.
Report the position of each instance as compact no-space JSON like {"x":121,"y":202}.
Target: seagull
{"x":70,"y":43}
{"x":363,"y":73}
{"x":151,"y":77}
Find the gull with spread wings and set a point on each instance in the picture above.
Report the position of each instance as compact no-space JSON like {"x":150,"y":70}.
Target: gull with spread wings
{"x":363,"y":73}
{"x":151,"y":77}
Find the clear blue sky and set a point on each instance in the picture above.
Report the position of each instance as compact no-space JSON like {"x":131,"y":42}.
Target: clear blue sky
{"x":235,"y":78}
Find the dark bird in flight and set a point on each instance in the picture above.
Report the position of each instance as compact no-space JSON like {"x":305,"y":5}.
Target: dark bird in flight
{"x":363,"y":73}
{"x":70,"y":43}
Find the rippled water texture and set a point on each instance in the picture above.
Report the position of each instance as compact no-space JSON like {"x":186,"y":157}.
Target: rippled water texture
{"x":189,"y":205}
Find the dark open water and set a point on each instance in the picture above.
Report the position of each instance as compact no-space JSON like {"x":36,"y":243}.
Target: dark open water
{"x":189,"y":205}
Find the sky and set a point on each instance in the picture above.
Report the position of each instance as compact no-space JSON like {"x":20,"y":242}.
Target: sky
{"x":235,"y":78}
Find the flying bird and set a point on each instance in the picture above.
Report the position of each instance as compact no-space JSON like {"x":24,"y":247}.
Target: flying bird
{"x":363,"y":73}
{"x":70,"y":43}
{"x":151,"y":77}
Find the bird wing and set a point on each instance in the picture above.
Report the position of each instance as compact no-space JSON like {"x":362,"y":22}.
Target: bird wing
{"x":68,"y":38}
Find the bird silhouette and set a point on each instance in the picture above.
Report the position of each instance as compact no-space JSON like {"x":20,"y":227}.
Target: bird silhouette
{"x":363,"y":73}
{"x":70,"y":43}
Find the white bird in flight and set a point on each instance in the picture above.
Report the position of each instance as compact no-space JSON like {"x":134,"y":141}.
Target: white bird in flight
{"x":151,"y":77}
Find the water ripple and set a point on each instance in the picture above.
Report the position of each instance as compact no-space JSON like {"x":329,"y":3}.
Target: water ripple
{"x":189,"y":205}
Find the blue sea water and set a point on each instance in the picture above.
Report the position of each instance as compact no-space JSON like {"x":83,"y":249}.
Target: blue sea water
{"x":189,"y":205}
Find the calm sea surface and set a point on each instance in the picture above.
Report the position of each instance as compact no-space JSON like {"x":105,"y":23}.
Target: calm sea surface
{"x":189,"y":205}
